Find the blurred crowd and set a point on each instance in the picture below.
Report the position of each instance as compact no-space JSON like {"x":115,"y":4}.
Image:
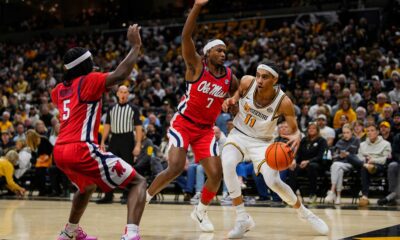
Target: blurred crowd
{"x":337,"y":75}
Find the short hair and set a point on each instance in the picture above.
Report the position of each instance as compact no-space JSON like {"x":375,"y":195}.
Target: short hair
{"x":12,"y":156}
{"x":81,"y":69}
{"x":372,"y":125}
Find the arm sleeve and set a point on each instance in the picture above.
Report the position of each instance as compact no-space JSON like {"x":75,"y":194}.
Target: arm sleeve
{"x":92,"y":86}
{"x":382,"y":157}
{"x":299,"y":154}
{"x":136,"y":117}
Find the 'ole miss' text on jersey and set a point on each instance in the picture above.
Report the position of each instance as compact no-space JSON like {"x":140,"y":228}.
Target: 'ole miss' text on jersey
{"x":202,"y":102}
{"x":197,"y":112}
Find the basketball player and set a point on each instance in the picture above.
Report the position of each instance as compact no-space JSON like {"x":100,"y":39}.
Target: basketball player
{"x":77,"y":153}
{"x":260,"y":106}
{"x":207,"y":83}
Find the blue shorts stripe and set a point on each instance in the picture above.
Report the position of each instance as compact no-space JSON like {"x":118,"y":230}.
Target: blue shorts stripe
{"x":176,"y":137}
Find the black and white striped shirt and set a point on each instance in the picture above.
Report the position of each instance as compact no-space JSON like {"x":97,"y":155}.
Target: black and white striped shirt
{"x":123,"y":118}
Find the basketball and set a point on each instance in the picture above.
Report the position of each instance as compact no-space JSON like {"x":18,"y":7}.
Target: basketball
{"x":279,"y":156}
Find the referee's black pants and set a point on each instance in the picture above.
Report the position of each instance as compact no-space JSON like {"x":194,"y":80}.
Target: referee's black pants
{"x":121,"y":145}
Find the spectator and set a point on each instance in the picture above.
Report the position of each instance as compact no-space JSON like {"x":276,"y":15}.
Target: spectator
{"x":373,"y":152}
{"x":309,"y":159}
{"x":6,"y":124}
{"x":325,"y":131}
{"x":320,"y":103}
{"x":41,"y":150}
{"x":20,"y":132}
{"x":24,"y":156}
{"x":381,"y":103}
{"x":344,"y":109}
{"x":304,"y":118}
{"x":7,"y":164}
{"x":396,"y":123}
{"x":384,"y":129}
{"x":361,"y":114}
{"x":358,"y":130}
{"x":393,"y":174}
{"x":344,"y":159}
{"x":54,"y":134}
{"x":41,"y":128}
{"x":394,"y":94}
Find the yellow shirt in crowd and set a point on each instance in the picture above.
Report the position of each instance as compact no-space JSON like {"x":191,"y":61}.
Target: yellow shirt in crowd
{"x":7,"y":171}
{"x":5,"y":126}
{"x":351,"y":115}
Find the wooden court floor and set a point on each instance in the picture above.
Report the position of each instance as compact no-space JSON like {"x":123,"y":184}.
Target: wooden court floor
{"x":42,"y":220}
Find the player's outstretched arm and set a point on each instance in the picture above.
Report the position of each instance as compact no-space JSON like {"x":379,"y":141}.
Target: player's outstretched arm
{"x":125,"y":67}
{"x":244,"y":85}
{"x":191,"y":57}
{"x":287,"y":110}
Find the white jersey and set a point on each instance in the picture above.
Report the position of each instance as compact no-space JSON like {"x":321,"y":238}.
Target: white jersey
{"x":258,"y":122}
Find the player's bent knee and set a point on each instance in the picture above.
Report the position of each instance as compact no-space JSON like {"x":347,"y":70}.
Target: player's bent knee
{"x":90,"y":188}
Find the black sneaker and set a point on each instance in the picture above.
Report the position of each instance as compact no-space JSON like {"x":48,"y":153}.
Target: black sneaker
{"x":383,"y":201}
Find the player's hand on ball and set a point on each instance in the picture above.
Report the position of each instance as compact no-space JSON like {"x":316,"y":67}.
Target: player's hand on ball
{"x":200,"y":2}
{"x":133,"y":35}
{"x":293,"y":141}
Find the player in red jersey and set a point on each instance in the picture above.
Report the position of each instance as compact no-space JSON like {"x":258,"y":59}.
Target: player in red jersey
{"x":77,"y":152}
{"x":208,"y":82}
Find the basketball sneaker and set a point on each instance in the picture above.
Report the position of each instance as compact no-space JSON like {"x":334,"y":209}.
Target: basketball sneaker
{"x":316,"y":223}
{"x":241,"y":227}
{"x":202,"y":219}
{"x":126,"y":237}
{"x":79,"y":235}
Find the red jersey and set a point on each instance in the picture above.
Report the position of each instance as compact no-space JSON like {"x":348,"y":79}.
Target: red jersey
{"x":79,"y":105}
{"x":202,"y":102}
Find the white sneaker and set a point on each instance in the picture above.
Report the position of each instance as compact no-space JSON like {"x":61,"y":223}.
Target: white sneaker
{"x":195,"y":199}
{"x":241,"y":227}
{"x":338,"y":201}
{"x":202,"y":219}
{"x":316,"y":223}
{"x":330,"y":197}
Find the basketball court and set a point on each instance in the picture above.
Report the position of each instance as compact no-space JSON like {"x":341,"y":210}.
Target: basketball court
{"x":42,"y":220}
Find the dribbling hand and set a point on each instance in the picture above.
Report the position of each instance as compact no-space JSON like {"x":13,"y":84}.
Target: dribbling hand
{"x":201,"y":2}
{"x":133,"y":35}
{"x":293,"y":141}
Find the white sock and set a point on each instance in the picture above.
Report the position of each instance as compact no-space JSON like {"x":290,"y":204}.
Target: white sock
{"x":241,"y":211}
{"x":148,"y":197}
{"x":131,"y":229}
{"x":303,"y":211}
{"x":70,"y":228}
{"x":201,"y":207}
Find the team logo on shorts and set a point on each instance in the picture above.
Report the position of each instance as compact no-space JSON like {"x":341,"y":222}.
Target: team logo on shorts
{"x":226,"y":81}
{"x":246,"y":107}
{"x":118,"y":168}
{"x":270,"y":110}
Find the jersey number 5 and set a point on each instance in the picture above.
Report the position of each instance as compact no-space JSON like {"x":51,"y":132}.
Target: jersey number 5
{"x":66,"y":109}
{"x":250,"y":120}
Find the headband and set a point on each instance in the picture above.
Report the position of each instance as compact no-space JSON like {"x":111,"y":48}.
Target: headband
{"x":77,"y":61}
{"x":269,"y":69}
{"x":212,"y":44}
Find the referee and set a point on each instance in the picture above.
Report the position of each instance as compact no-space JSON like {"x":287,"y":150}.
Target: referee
{"x":121,"y":120}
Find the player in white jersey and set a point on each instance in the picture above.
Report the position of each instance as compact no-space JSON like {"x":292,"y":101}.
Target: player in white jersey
{"x":261,"y":103}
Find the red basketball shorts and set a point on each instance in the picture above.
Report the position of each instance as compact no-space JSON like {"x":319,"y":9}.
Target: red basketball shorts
{"x":183,"y":133}
{"x":84,"y":164}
